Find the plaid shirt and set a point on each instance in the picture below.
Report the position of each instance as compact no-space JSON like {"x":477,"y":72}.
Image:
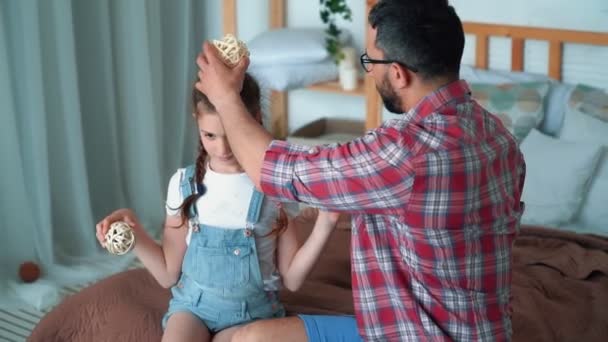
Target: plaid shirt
{"x":435,"y":197}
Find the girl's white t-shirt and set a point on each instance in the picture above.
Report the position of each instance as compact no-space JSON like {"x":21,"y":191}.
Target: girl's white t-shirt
{"x":226,"y":204}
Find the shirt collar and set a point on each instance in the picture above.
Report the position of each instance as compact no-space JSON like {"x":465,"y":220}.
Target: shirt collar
{"x":454,"y":92}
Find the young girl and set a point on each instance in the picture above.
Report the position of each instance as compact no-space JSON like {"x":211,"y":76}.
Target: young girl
{"x":226,"y":249}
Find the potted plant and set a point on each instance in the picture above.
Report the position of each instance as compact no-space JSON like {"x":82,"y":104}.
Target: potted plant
{"x":330,"y":11}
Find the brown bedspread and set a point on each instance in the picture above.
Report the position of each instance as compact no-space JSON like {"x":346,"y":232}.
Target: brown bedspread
{"x":560,"y":293}
{"x":560,"y":286}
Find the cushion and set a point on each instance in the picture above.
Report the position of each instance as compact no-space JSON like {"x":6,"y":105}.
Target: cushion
{"x":292,"y":76}
{"x":557,"y":178}
{"x":290,"y":46}
{"x":590,"y":100}
{"x":474,"y":75}
{"x":556,"y":99}
{"x":520,"y":106}
{"x":583,"y":127}
{"x":557,"y":102}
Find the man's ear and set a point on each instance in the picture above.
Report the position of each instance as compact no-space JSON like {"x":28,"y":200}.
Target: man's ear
{"x":399,"y":76}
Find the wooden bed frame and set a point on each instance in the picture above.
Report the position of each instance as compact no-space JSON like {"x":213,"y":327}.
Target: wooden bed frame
{"x":482,"y":32}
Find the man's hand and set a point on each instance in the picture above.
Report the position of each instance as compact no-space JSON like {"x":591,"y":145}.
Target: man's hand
{"x":220,"y":83}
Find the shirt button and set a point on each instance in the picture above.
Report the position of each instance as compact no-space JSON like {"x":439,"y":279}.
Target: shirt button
{"x":313,"y":150}
{"x":237,"y":251}
{"x":247,"y":232}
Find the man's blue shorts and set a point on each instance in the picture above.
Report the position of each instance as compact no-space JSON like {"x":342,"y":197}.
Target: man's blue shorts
{"x":324,"y":328}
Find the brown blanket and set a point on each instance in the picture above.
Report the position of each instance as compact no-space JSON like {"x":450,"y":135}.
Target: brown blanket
{"x":560,"y":293}
{"x":560,"y":286}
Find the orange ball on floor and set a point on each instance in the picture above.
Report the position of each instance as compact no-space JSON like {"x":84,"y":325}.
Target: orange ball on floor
{"x":29,"y":272}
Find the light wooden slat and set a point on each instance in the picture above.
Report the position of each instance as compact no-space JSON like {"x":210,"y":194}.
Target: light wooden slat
{"x":335,"y":87}
{"x":9,"y":335}
{"x":481,"y":51}
{"x":16,"y":325}
{"x":373,"y":102}
{"x":537,"y":33}
{"x":229,"y":17}
{"x":555,"y":60}
{"x":20,"y":317}
{"x":517,"y":54}
{"x":13,"y":327}
{"x":278,"y":114}
{"x":277,"y":14}
{"x":373,"y":105}
{"x":278,"y":100}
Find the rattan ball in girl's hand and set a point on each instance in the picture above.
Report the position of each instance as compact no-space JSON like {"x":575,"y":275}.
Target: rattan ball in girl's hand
{"x":231,"y":49}
{"x":119,"y":238}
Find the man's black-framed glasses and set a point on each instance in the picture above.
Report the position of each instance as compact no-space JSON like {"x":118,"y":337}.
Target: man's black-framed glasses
{"x":366,"y":63}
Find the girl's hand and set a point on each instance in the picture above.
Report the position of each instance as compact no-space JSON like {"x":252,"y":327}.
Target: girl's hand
{"x":329,"y":217}
{"x":125,"y":215}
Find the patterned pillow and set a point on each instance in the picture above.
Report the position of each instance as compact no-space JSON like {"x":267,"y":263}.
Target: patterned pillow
{"x":589,"y":100}
{"x":520,"y":106}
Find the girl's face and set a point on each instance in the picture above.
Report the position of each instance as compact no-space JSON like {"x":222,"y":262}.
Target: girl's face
{"x":215,"y":142}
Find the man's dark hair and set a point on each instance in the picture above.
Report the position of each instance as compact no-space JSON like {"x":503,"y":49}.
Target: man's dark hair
{"x":425,"y":34}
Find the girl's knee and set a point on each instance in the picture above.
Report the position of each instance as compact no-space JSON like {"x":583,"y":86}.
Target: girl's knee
{"x":248,"y":333}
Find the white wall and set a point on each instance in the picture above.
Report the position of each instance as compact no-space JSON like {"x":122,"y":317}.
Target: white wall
{"x":582,"y":64}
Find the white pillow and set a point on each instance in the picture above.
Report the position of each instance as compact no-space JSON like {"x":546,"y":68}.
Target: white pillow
{"x":557,"y":178}
{"x":556,"y":104}
{"x":290,"y":46}
{"x":582,"y":127}
{"x":286,"y":77}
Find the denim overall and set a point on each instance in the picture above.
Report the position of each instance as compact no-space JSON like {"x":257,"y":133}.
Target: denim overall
{"x":221,"y":282}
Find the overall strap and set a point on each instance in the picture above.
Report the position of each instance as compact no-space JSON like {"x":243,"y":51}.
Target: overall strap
{"x":187,"y":182}
{"x":189,"y":186}
{"x":255,"y":208}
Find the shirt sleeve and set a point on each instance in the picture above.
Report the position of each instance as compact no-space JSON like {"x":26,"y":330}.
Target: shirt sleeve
{"x":174,"y":195}
{"x":373,"y":173}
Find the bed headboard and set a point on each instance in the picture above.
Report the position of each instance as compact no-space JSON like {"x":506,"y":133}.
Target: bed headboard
{"x":482,"y":32}
{"x":519,"y":34}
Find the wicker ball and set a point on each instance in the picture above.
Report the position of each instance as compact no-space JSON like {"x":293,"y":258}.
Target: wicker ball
{"x":29,"y":272}
{"x":119,"y":238}
{"x":231,"y":49}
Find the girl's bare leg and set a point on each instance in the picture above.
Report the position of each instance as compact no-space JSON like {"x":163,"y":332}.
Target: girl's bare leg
{"x":226,"y":334}
{"x":184,"y":326}
{"x":269,"y":330}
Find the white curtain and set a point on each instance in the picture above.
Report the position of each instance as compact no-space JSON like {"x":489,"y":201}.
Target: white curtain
{"x":94,"y":115}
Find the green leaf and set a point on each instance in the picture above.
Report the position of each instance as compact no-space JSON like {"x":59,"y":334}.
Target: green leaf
{"x":330,"y":11}
{"x":324,"y":16}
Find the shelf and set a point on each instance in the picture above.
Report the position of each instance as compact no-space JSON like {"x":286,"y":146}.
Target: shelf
{"x":334,"y":87}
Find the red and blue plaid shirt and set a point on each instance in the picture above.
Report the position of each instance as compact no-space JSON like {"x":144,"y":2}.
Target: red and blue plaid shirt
{"x":435,"y":197}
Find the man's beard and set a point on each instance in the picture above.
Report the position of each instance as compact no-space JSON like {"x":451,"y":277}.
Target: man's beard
{"x":391,"y":100}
